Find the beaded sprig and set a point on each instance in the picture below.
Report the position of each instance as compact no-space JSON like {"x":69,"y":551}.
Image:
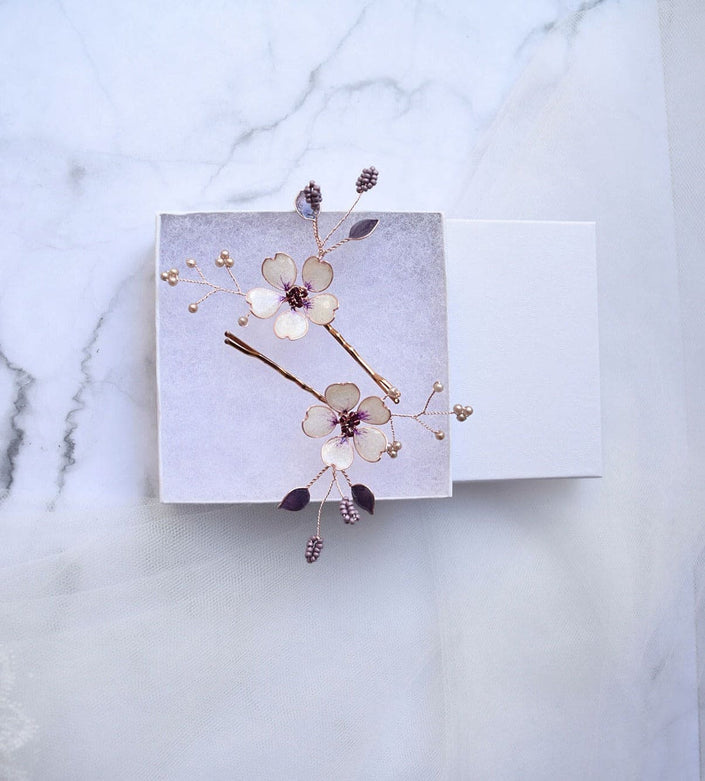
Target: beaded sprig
{"x":352,"y":427}
{"x":356,"y":429}
{"x":303,"y":301}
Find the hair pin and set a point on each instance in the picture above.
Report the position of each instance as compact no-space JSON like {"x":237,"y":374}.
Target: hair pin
{"x":353,"y":427}
{"x":305,"y":301}
{"x":350,"y":426}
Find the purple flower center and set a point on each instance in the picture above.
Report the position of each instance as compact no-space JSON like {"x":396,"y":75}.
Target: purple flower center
{"x":349,"y":421}
{"x":296,"y":297}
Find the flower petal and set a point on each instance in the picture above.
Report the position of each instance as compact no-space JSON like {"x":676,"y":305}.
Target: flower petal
{"x":317,"y":274}
{"x":373,"y":410}
{"x":319,"y":421}
{"x":263,"y":301}
{"x":290,"y":325}
{"x":338,"y":452}
{"x":279,"y":271}
{"x":321,"y":309}
{"x":342,"y":396}
{"x":370,"y":443}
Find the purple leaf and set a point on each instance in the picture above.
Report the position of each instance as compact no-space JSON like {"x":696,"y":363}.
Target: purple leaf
{"x":295,"y":500}
{"x":362,"y":229}
{"x":364,"y":498}
{"x":303,"y":207}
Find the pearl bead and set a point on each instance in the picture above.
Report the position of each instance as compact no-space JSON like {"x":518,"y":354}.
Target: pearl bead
{"x":438,"y":386}
{"x":462,"y":416}
{"x":193,"y":308}
{"x":394,"y":393}
{"x":173,"y":281}
{"x":243,"y":320}
{"x":396,"y":445}
{"x":165,"y":275}
{"x":219,"y":262}
{"x":392,"y":453}
{"x":229,"y":262}
{"x":457,"y":408}
{"x":174,"y":272}
{"x":468,"y":410}
{"x":440,"y":435}
{"x":191,"y":263}
{"x":224,"y":254}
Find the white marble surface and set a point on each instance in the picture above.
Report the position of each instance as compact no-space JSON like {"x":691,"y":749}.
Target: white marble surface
{"x":516,"y":631}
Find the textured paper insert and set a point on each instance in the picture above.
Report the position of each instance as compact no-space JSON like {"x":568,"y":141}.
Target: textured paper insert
{"x":230,"y":427}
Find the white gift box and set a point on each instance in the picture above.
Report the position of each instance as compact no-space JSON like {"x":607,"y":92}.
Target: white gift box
{"x":522,"y":308}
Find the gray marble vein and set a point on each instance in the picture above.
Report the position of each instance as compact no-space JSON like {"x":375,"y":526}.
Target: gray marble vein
{"x":22,"y":381}
{"x":87,"y":54}
{"x":312,"y":83}
{"x":68,"y":458}
{"x":87,"y":381}
{"x":571,"y":23}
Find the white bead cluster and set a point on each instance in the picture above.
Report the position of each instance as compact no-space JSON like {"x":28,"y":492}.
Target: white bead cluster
{"x":393,"y":448}
{"x":171,"y":276}
{"x":462,"y":413}
{"x":224,"y":259}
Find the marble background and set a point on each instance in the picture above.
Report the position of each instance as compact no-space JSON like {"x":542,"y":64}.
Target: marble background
{"x":533,"y":630}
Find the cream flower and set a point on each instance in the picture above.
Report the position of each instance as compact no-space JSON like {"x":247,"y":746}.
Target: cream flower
{"x":280,"y":272}
{"x":370,"y":443}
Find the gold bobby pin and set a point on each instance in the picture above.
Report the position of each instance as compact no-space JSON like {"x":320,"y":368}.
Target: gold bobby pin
{"x":304,"y":301}
{"x":233,"y":341}
{"x":349,"y":426}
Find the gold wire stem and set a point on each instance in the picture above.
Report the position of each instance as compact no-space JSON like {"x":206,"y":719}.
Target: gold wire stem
{"x":319,"y":475}
{"x":383,"y":383}
{"x":428,"y":401}
{"x":417,"y":418}
{"x":234,"y":279}
{"x":324,"y":252}
{"x":341,"y":221}
{"x":317,"y":236}
{"x":233,"y":341}
{"x":214,"y":288}
{"x":337,"y":484}
{"x":320,"y":509}
{"x":391,"y":425}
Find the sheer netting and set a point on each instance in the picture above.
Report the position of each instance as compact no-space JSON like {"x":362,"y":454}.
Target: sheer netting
{"x":521,"y":630}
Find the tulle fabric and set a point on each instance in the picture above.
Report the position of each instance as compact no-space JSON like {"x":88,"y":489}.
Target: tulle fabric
{"x":537,"y":630}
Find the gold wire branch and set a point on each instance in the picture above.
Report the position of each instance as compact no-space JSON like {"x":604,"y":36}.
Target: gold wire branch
{"x":318,"y":476}
{"x":461,"y":413}
{"x":233,"y":341}
{"x":339,"y":223}
{"x":325,"y":499}
{"x":317,"y":237}
{"x":223,"y":260}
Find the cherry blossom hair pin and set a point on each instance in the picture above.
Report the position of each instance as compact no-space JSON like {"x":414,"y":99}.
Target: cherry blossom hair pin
{"x":356,"y":428}
{"x":306,"y":302}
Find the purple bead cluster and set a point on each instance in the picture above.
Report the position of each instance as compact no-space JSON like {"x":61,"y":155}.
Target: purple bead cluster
{"x":313,"y":549}
{"x":349,"y":511}
{"x":367,"y":179}
{"x":312,"y":194}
